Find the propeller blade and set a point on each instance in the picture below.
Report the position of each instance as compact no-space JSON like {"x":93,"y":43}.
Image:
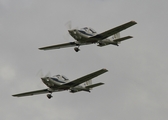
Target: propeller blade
{"x":48,"y":74}
{"x":69,"y":25}
{"x":40,"y":73}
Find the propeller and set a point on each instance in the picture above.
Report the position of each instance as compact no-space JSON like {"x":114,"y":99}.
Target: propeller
{"x":40,"y":73}
{"x":48,"y":74}
{"x":68,"y":25}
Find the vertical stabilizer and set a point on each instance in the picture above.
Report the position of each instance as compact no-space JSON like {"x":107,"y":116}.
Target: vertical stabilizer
{"x":87,"y":83}
{"x":116,"y":36}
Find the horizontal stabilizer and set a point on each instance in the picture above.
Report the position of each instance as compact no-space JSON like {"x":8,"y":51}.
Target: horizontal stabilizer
{"x":122,"y":39}
{"x":94,"y":85}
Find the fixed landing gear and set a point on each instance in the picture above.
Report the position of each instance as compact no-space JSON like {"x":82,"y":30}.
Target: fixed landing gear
{"x":49,"y":96}
{"x":77,"y":49}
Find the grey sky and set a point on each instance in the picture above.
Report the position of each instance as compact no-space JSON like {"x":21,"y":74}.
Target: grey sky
{"x":136,"y":86}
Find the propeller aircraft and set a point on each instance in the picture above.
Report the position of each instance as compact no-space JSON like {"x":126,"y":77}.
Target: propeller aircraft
{"x":86,"y":36}
{"x":59,"y":83}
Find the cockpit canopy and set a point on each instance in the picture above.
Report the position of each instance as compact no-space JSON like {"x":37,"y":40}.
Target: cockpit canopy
{"x":88,"y":30}
{"x":62,"y":77}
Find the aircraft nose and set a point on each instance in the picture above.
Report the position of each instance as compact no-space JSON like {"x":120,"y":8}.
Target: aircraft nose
{"x":44,"y":79}
{"x":70,"y":31}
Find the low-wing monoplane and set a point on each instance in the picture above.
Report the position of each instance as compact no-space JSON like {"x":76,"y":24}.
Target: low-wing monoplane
{"x":61,"y":83}
{"x":86,"y":36}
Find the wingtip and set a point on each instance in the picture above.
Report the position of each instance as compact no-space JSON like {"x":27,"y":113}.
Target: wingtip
{"x":105,"y":69}
{"x":40,"y":48}
{"x":102,"y":83}
{"x":130,"y":36}
{"x":134,"y":22}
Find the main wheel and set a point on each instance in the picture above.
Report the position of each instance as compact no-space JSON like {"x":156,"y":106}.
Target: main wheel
{"x":76,"y":49}
{"x":49,"y":96}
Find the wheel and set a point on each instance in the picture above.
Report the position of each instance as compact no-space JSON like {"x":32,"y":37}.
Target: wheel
{"x":49,"y":96}
{"x":76,"y":49}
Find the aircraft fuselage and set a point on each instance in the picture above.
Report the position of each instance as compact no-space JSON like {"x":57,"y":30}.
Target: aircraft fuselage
{"x":54,"y":82}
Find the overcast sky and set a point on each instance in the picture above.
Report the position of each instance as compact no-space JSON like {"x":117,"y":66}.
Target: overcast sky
{"x":136,"y":86}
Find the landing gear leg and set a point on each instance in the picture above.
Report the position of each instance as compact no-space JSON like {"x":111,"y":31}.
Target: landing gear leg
{"x":49,"y":96}
{"x":77,"y":49}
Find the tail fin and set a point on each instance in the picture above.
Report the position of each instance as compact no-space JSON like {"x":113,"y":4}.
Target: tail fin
{"x":87,"y":83}
{"x":116,"y":36}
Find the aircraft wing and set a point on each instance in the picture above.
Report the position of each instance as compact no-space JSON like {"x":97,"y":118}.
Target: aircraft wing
{"x":31,"y":93}
{"x":113,"y":31}
{"x":64,"y":45}
{"x":83,"y":79}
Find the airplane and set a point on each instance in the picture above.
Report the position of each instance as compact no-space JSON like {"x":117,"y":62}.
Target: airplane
{"x":59,"y":83}
{"x":86,"y":36}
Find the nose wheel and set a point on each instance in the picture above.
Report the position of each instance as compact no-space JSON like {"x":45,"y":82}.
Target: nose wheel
{"x":77,"y":49}
{"x":49,"y":96}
